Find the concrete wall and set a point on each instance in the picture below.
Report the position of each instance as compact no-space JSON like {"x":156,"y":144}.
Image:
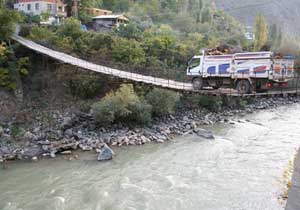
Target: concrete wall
{"x":103,"y":24}
{"x":42,"y":7}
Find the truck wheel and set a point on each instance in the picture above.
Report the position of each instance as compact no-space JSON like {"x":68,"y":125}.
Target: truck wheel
{"x":243,"y":86}
{"x":198,"y":83}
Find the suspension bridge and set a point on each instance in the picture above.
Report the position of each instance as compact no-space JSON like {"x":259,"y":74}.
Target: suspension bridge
{"x":128,"y":76}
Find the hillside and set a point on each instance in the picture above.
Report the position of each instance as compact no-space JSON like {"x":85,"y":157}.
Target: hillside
{"x":282,"y":12}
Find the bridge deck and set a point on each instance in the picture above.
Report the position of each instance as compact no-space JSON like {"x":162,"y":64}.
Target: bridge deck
{"x":165,"y":83}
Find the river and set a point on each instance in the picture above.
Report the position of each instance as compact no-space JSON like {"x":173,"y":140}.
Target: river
{"x":241,"y":169}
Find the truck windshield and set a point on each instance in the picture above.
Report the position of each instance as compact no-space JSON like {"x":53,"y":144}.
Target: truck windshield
{"x":194,"y":63}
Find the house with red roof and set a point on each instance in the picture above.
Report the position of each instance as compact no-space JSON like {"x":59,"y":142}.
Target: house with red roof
{"x":55,"y":8}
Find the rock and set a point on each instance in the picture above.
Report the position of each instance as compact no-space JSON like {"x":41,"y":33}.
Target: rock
{"x":34,"y":158}
{"x":160,"y":141}
{"x":106,"y":153}
{"x":185,"y":118}
{"x":69,"y":132}
{"x":52,"y":154}
{"x":204,"y":133}
{"x":28,"y":136}
{"x":30,"y":152}
{"x":68,"y":152}
{"x":67,"y":123}
{"x":144,"y":140}
{"x":1,"y":130}
{"x":5,"y":151}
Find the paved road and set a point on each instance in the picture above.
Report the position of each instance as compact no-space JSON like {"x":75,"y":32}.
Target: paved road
{"x":293,"y":202}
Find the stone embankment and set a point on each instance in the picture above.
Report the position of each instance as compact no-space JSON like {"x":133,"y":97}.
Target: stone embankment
{"x":79,"y":132}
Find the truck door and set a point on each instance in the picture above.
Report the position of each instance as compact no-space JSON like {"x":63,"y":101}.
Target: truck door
{"x":195,"y":67}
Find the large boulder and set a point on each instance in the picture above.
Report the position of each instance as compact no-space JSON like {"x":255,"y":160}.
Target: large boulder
{"x":67,"y":123}
{"x":204,"y":133}
{"x":106,"y":153}
{"x":30,"y":152}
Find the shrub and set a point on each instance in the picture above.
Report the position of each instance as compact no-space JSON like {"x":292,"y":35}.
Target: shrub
{"x":210,"y":103}
{"x":122,"y":105}
{"x":141,"y":113}
{"x":17,"y":132}
{"x":85,"y":86}
{"x":129,"y":31}
{"x":103,"y":112}
{"x":162,"y":101}
{"x":40,"y":34}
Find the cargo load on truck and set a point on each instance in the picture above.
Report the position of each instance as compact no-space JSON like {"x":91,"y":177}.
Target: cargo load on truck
{"x":245,"y":72}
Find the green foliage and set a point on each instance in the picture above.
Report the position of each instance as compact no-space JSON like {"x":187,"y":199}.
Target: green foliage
{"x":128,"y":51}
{"x":163,"y":101}
{"x":141,"y":113}
{"x":17,"y":132}
{"x":70,"y":28}
{"x":275,"y":37}
{"x":122,"y":105}
{"x":159,"y":40}
{"x":23,"y":65}
{"x":40,"y":34}
{"x":261,"y":32}
{"x":129,"y":31}
{"x":208,"y":102}
{"x":243,"y":103}
{"x":36,"y":19}
{"x":4,"y":77}
{"x":10,"y":69}
{"x":8,"y":20}
{"x":85,"y":86}
{"x":45,"y":16}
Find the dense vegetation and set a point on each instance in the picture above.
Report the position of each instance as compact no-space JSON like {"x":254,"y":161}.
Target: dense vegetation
{"x":159,"y":40}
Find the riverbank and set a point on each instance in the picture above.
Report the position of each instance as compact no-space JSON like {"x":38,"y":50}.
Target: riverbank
{"x":77,"y":131}
{"x":294,"y":192}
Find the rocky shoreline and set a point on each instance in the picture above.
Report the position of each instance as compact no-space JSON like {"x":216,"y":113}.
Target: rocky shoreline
{"x":79,"y":132}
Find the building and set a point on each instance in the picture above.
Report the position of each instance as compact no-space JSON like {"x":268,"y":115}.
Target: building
{"x":55,"y":8}
{"x":97,"y":12}
{"x":107,"y":22}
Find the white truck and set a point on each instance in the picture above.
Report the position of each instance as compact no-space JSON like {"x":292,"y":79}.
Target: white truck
{"x":245,"y":72}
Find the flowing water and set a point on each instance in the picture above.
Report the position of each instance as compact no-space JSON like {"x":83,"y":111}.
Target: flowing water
{"x":241,"y":170}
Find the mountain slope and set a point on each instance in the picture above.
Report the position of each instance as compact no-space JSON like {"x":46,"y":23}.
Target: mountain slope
{"x":282,"y":12}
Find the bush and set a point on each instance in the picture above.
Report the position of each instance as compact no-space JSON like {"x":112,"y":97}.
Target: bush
{"x":122,"y":105}
{"x":163,"y":102}
{"x":208,"y":102}
{"x":141,"y":113}
{"x":85,"y":86}
{"x":211,"y":103}
{"x":41,"y":34}
{"x":103,"y":112}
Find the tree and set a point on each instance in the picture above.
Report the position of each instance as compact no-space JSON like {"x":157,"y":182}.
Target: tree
{"x":275,"y":37}
{"x":261,"y":32}
{"x":8,"y":20}
{"x":70,"y":28}
{"x":128,"y":51}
